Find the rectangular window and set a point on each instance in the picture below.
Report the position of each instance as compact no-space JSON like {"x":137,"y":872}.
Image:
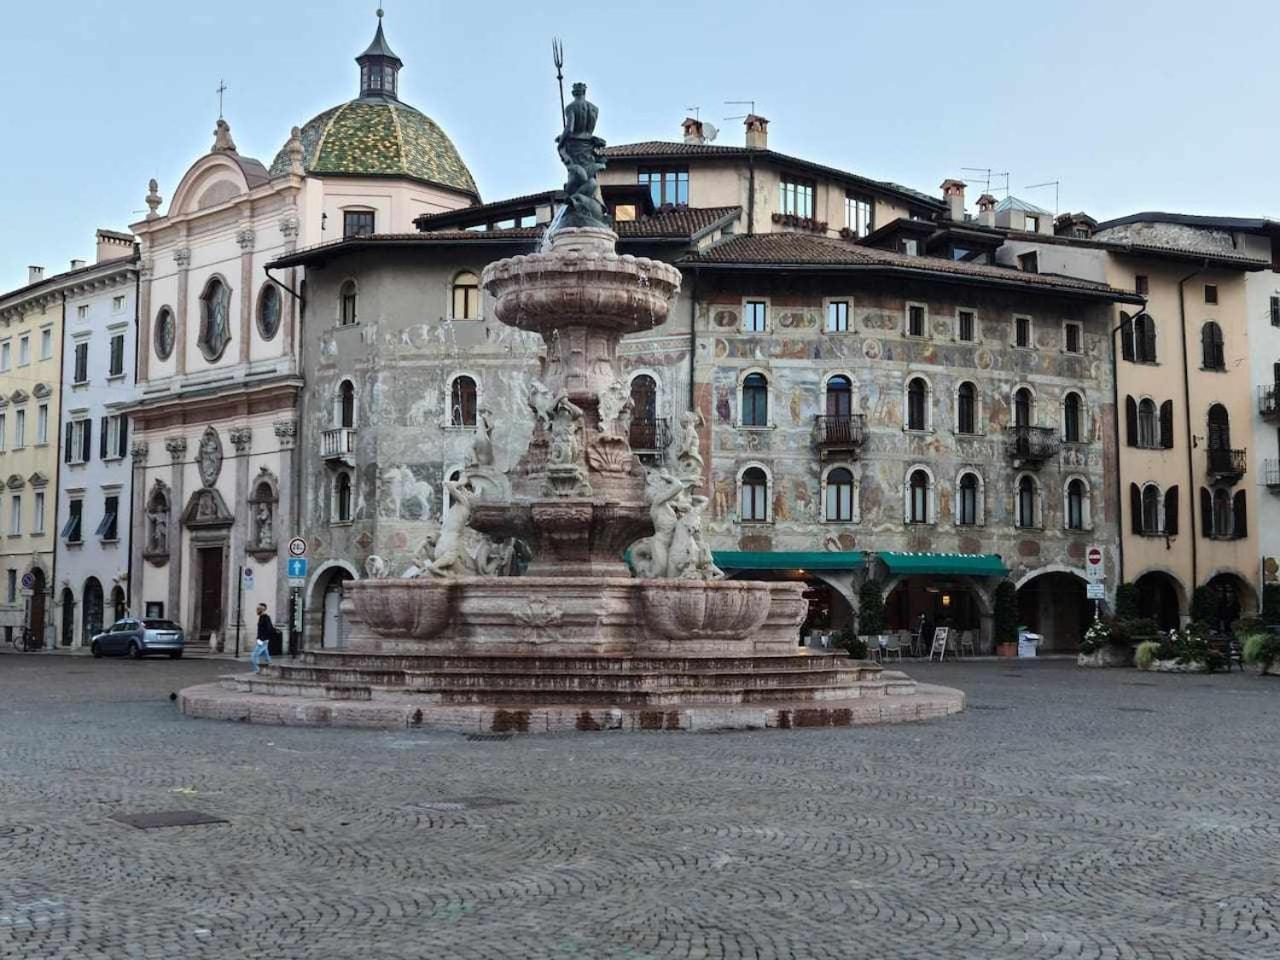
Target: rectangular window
{"x":112,"y":439}
{"x":1210,"y":293}
{"x":15,"y":513}
{"x":466,"y":297}
{"x":966,"y":325}
{"x":1029,"y":262}
{"x":1141,"y":285}
{"x":71,"y":529}
{"x":82,"y":363}
{"x":82,"y":311}
{"x":755,"y":316}
{"x":910,"y":247}
{"x":24,"y":349}
{"x":1032,"y":224}
{"x":1073,"y":337}
{"x":6,"y":356}
{"x":838,"y":316}
{"x":19,"y":429}
{"x":2,"y":430}
{"x":107,"y":528}
{"x":46,"y":344}
{"x":796,"y":197}
{"x":37,"y":518}
{"x":1022,"y":332}
{"x":42,"y":423}
{"x":1275,"y":311}
{"x":357,"y":223}
{"x":667,"y":185}
{"x":117,"y":356}
{"x":915,"y":320}
{"x":117,"y":304}
{"x":859,"y":214}
{"x":11,"y":587}
{"x":78,"y":442}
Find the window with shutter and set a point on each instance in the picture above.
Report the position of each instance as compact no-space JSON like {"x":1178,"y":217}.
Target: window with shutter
{"x":1166,"y":425}
{"x":1135,"y":508}
{"x":1126,"y":336}
{"x":103,"y":452}
{"x":86,"y":441}
{"x":1206,"y":512}
{"x":1240,"y":529}
{"x":123,"y":434}
{"x":66,"y":453}
{"x":1131,"y":420}
{"x":1171,"y":511}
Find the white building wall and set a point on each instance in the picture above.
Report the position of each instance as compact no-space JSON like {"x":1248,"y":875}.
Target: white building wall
{"x":1264,"y":354}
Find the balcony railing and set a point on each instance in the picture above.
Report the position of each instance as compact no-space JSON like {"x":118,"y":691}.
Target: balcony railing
{"x":649,"y":439}
{"x":1268,"y":395}
{"x":338,"y":443}
{"x":839,"y":433}
{"x":1226,"y":464}
{"x":1032,"y":445}
{"x":1271,"y":475}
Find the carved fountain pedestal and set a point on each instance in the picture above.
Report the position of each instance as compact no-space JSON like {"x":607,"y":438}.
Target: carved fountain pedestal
{"x":577,"y":642}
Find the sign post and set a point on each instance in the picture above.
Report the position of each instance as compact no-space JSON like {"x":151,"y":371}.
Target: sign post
{"x":1096,"y":589}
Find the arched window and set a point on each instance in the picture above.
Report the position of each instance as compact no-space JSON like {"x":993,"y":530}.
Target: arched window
{"x":839,"y":396}
{"x":839,"y":502}
{"x":1214,"y":357}
{"x":1075,"y":505}
{"x":1151,"y":509}
{"x":462,"y":402}
{"x":755,"y":400}
{"x":215,"y":319}
{"x":269,"y":311}
{"x":917,"y":404}
{"x":342,"y":498}
{"x":644,"y":398}
{"x":347,"y":303}
{"x":91,"y":610}
{"x":1223,"y":521}
{"x":754,"y":500}
{"x":446,"y":499}
{"x":466,"y":296}
{"x":1025,"y":512}
{"x":1023,"y":407}
{"x":967,"y":498}
{"x":1148,"y":431}
{"x":967,"y":408}
{"x":165,"y":333}
{"x":1219,"y":423}
{"x":117,"y":603}
{"x":1144,"y":338}
{"x":346,"y":404}
{"x":918,"y":490}
{"x":1072,"y":418}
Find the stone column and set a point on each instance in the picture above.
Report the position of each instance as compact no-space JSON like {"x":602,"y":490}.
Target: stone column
{"x":286,"y":518}
{"x":182,"y":257}
{"x":290,"y":314}
{"x":177,"y":447}
{"x":245,"y":238}
{"x":138,"y":529}
{"x":241,"y":439}
{"x":145,"y":272}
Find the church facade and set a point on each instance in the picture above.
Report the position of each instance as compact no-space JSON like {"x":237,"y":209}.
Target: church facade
{"x":219,"y":377}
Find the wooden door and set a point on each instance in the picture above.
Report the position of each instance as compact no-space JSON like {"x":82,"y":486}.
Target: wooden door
{"x":37,"y":609}
{"x":210,"y":592}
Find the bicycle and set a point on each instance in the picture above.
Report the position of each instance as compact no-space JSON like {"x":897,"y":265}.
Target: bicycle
{"x":24,"y":641}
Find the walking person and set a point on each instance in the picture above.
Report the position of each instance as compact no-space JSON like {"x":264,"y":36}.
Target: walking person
{"x":266,"y":633}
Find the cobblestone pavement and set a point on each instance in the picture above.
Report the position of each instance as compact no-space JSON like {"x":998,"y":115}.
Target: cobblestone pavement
{"x":1067,"y":813}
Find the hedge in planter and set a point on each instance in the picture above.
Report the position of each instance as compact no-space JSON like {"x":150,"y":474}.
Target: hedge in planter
{"x":1262,"y":649}
{"x":1005,"y":614}
{"x":871,"y":619}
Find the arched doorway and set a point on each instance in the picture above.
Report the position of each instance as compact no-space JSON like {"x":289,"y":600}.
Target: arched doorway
{"x":332,"y":631}
{"x":1233,"y":598}
{"x":91,"y":612}
{"x":323,"y":620}
{"x":117,"y":603}
{"x":930,"y":602}
{"x":828,"y":610}
{"x":1159,"y":599}
{"x":68,"y":617}
{"x":1054,"y":605}
{"x":35,"y":619}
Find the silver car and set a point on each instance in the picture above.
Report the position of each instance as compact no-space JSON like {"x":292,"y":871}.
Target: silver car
{"x":139,"y":637}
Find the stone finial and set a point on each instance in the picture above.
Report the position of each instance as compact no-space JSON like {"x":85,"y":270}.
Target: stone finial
{"x":153,"y":199}
{"x":293,"y":149}
{"x":222,"y":142}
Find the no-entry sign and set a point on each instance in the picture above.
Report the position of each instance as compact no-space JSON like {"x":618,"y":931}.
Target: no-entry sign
{"x":1093,"y":563}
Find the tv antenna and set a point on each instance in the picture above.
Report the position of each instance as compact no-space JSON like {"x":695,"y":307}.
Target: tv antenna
{"x":1048,"y":183}
{"x":741,"y":103}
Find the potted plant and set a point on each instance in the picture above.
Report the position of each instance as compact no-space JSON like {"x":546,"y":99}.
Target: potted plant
{"x":1005,"y":619}
{"x":871,"y":619}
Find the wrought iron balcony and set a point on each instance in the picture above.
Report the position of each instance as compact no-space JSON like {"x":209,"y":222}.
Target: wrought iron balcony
{"x":1269,"y":400}
{"x":839,"y":433}
{"x":1226,"y":464}
{"x":338,"y":443}
{"x":1032,"y":446}
{"x":1271,"y":475}
{"x":649,"y":439}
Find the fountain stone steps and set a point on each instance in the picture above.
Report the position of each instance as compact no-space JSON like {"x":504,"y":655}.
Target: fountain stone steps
{"x":622,"y":664}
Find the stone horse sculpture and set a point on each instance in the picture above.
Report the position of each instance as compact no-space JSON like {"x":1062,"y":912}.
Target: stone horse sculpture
{"x":677,"y":548}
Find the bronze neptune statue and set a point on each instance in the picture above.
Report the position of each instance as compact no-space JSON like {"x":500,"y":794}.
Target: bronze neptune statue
{"x":580,"y":152}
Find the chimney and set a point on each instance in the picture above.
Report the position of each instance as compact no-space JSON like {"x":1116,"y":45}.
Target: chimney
{"x":113,"y":244}
{"x":953,"y":193}
{"x":693,"y":131}
{"x":987,"y":210}
{"x":77,"y":264}
{"x":35,"y":274}
{"x":757,"y":132}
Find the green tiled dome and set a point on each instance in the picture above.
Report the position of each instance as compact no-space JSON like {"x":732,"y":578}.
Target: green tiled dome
{"x":376,"y":136}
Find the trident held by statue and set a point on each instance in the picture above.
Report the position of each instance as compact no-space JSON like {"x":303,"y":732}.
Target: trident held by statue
{"x":557,"y":57}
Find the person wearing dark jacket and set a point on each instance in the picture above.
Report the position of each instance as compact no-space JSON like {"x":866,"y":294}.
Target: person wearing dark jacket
{"x":266,"y":633}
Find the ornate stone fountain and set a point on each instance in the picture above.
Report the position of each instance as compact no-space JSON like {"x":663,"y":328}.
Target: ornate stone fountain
{"x":620,"y":617}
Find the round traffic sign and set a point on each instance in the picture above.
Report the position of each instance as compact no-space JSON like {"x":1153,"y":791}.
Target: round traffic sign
{"x":1095,"y":556}
{"x":28,"y":581}
{"x":297,"y":547}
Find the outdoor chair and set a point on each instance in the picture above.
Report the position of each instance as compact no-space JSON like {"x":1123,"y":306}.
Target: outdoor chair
{"x":890,"y":645}
{"x":968,"y":643}
{"x":907,"y":643}
{"x":873,"y":647}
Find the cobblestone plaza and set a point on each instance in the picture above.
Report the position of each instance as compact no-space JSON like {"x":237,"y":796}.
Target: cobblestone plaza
{"x":1066,"y":813}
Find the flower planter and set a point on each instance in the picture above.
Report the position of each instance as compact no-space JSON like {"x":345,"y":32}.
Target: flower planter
{"x":1108,"y":655}
{"x":1173,"y":666}
{"x":1006,"y":649}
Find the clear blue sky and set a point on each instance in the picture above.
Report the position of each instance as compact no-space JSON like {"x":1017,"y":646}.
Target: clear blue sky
{"x":1132,"y":104}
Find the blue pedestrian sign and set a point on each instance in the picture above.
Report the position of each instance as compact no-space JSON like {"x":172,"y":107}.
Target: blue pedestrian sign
{"x":297,"y":568}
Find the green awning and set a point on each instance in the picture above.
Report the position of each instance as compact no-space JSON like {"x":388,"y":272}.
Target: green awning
{"x":970,"y":564}
{"x":788,"y":559}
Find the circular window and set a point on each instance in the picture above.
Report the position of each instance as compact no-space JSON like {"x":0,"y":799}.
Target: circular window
{"x":164,"y":333}
{"x":269,"y":311}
